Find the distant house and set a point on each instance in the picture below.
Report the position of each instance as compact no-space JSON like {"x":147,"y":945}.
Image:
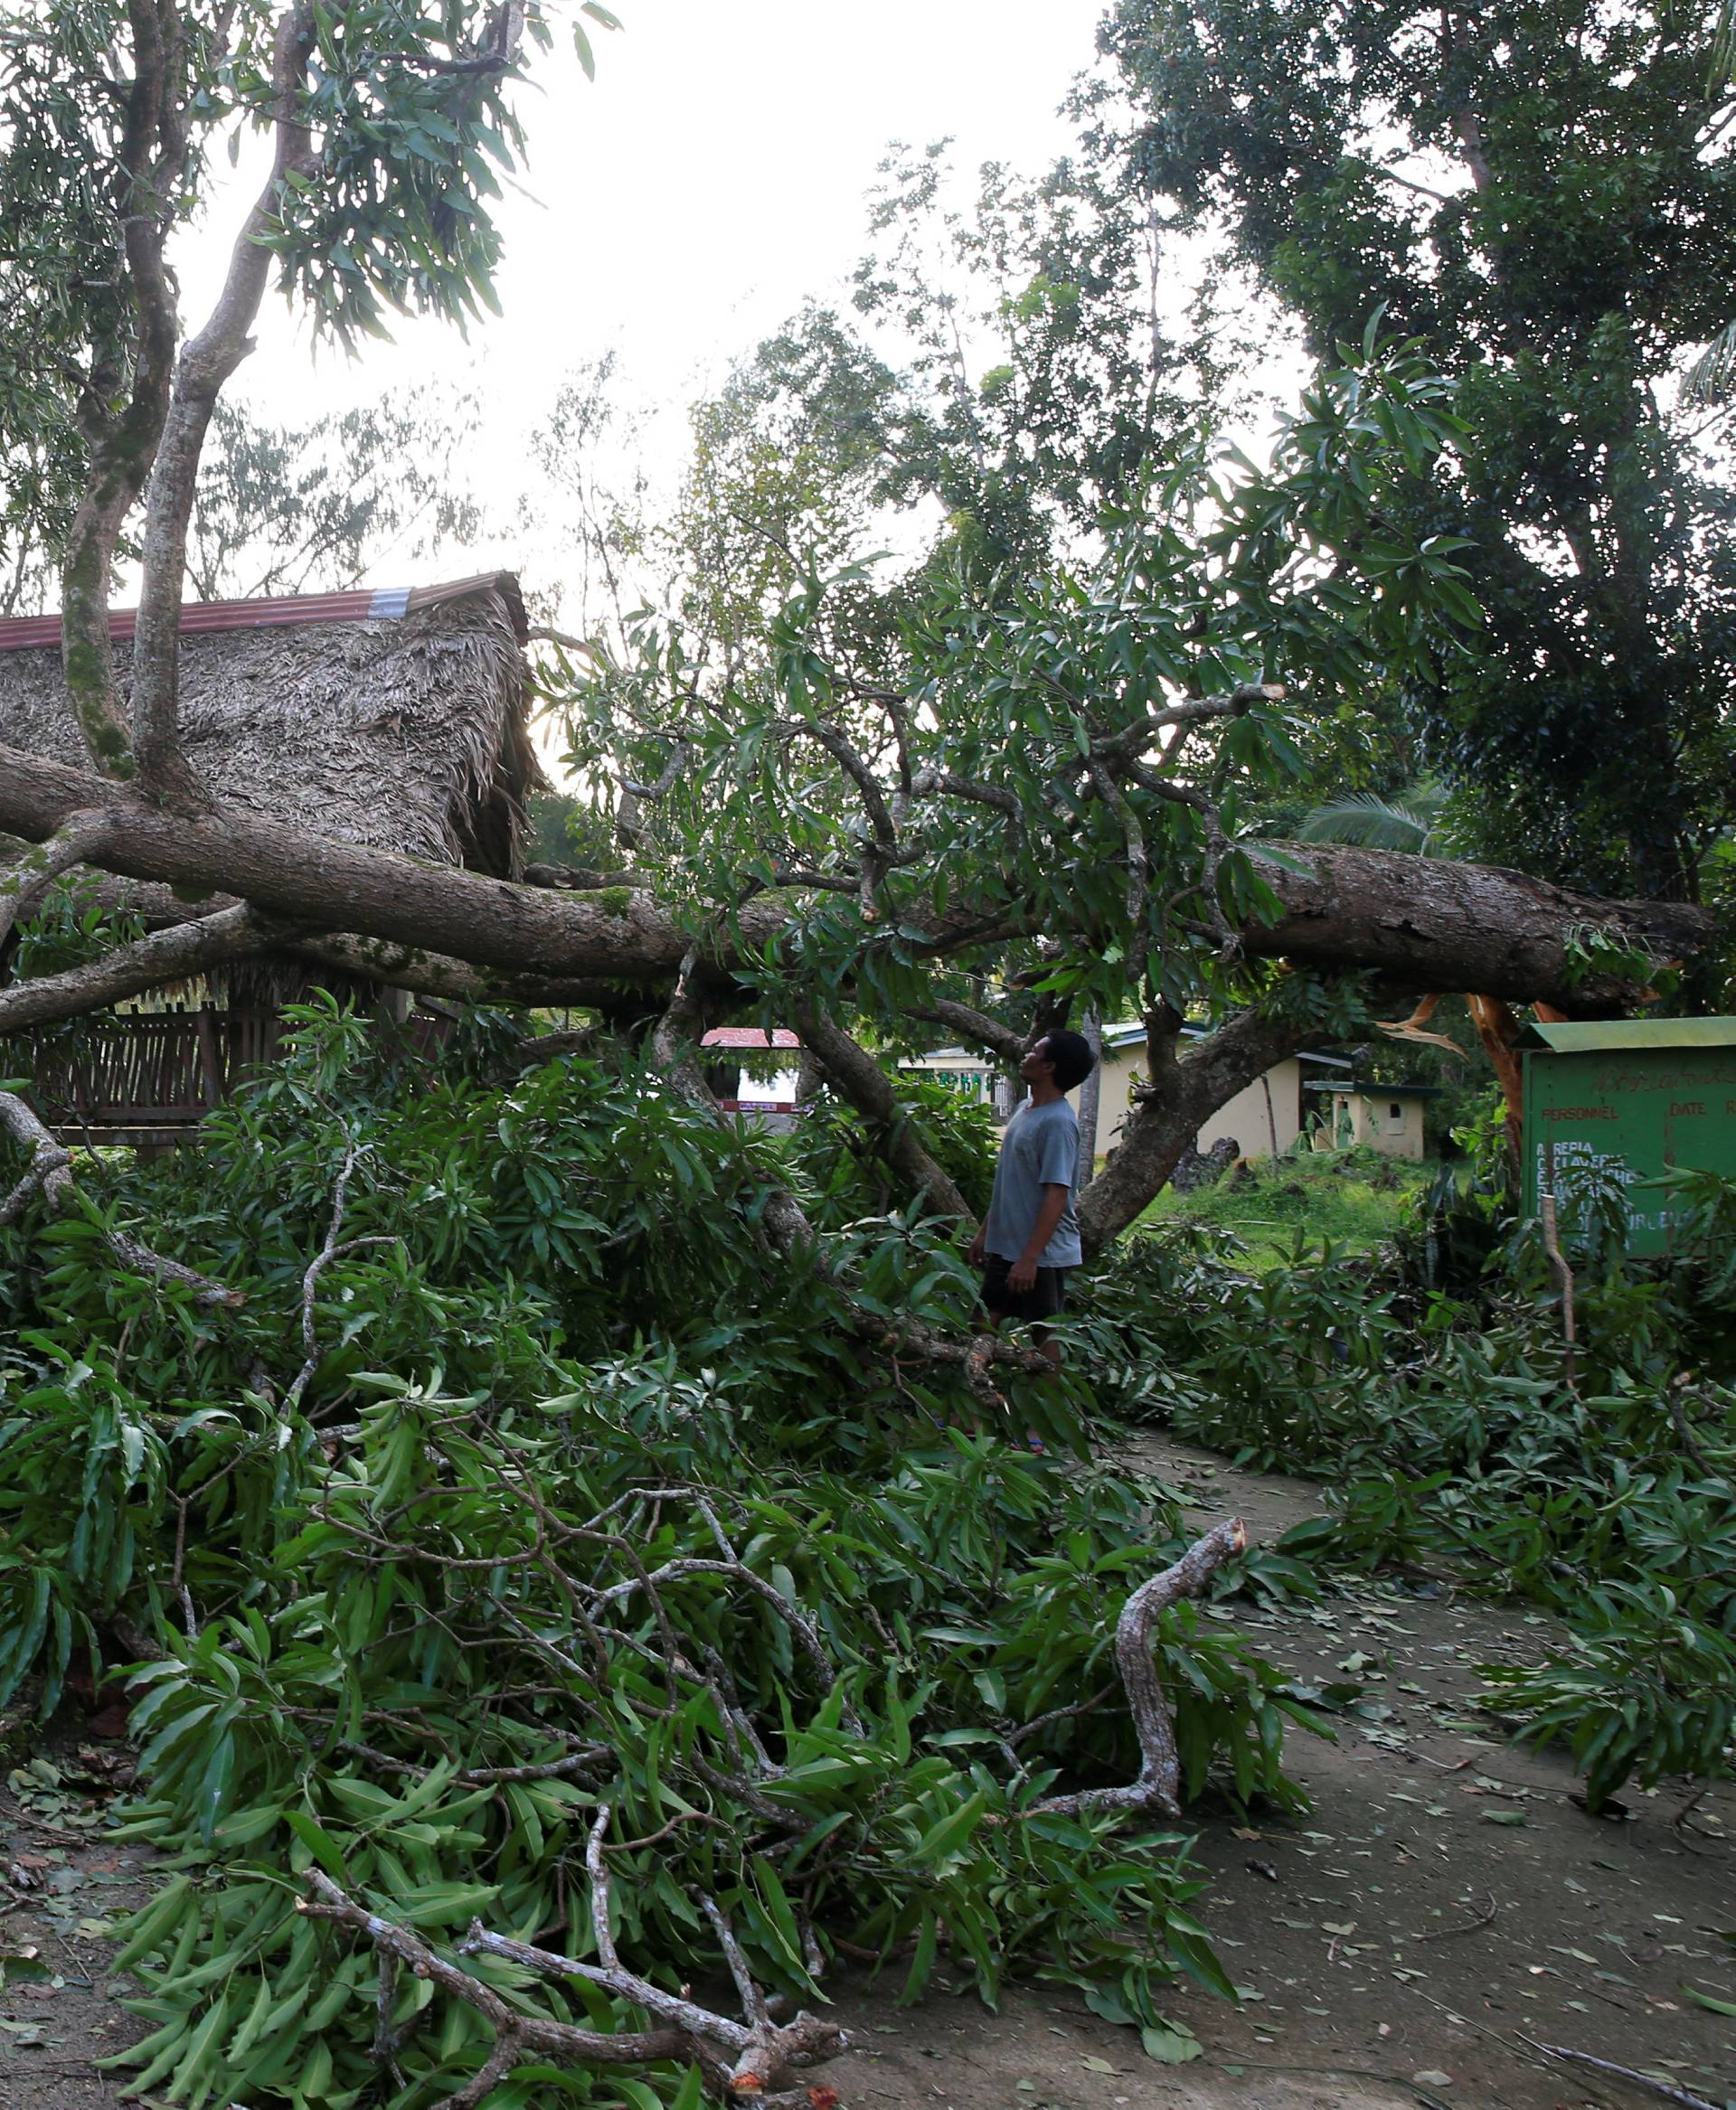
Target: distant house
{"x":1387,"y":1118}
{"x":393,"y":719}
{"x":750,"y":1071}
{"x":1264,"y":1119}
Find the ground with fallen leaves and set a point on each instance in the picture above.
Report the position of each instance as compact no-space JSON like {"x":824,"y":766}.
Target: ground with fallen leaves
{"x":1445,"y":1909}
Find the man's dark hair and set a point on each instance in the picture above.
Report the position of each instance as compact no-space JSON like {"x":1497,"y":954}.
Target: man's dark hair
{"x":1070,"y":1054}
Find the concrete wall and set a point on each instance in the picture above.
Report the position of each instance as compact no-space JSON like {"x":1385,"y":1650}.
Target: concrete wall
{"x":1378,"y":1121}
{"x":1247,"y":1116}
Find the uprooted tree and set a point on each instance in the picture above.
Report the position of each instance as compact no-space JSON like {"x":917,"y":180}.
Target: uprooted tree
{"x":968,"y":808}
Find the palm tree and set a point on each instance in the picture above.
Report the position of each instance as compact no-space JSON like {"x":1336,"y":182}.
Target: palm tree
{"x":1410,"y":820}
{"x":1712,"y":379}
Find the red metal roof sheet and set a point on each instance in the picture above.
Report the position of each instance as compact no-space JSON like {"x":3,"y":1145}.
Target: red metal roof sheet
{"x":38,"y":633}
{"x":749,"y":1037}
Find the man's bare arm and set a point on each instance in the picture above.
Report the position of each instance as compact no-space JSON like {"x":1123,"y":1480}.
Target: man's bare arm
{"x":1023,"y":1273}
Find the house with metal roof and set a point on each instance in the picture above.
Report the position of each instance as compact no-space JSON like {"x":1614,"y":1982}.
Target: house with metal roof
{"x":395,"y":719}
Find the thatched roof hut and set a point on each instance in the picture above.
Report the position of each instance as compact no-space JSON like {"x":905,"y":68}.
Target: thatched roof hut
{"x":395,"y":719}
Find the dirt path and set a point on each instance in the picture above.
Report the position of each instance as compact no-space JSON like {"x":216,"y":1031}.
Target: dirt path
{"x":63,"y":1883}
{"x":1445,"y":1901}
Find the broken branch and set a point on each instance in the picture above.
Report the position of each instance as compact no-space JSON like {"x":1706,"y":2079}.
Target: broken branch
{"x":49,"y":1174}
{"x":1158,"y":1785}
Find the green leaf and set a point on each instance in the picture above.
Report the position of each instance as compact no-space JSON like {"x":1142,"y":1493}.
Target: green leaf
{"x":949,"y":1834}
{"x":1172,"y":2046}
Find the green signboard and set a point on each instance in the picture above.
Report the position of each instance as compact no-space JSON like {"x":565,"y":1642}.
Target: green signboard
{"x":1624,"y":1100}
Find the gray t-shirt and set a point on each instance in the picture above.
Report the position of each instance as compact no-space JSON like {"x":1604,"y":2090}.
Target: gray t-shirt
{"x":1039,"y":1150}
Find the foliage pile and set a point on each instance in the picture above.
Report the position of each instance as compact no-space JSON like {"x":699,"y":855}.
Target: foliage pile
{"x":528,"y":1484}
{"x":1599,"y":1480}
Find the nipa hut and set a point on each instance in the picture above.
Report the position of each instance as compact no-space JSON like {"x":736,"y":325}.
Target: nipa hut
{"x":393,"y":719}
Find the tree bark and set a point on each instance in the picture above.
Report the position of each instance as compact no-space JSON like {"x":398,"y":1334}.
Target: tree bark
{"x":1182,"y":1093}
{"x":1091,"y":1096}
{"x":1421,"y":923}
{"x":1500,"y":933}
{"x":165,"y":956}
{"x":860,"y":1078}
{"x":151,"y":168}
{"x":205,"y":363}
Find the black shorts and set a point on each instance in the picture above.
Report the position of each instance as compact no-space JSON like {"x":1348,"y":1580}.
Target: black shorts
{"x":1046,"y":1299}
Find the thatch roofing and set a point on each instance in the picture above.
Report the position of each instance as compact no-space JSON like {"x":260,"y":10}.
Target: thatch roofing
{"x":394,"y":720}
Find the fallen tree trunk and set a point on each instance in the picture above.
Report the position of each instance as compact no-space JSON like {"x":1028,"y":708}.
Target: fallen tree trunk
{"x":1421,"y":923}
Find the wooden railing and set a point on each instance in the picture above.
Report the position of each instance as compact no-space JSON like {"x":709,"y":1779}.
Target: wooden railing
{"x":152,"y":1077}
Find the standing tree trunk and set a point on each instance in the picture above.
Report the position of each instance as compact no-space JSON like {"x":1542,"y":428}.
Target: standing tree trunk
{"x":1091,"y":1096}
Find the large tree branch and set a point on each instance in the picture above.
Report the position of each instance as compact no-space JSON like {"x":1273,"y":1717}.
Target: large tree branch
{"x":123,"y":443}
{"x":1158,"y":1786}
{"x":862,"y":1080}
{"x":674,"y":1046}
{"x":431,"y":974}
{"x":165,"y":956}
{"x":748,"y":2061}
{"x":1421,"y":923}
{"x":24,"y":882}
{"x":1003,"y":1041}
{"x":205,"y":363}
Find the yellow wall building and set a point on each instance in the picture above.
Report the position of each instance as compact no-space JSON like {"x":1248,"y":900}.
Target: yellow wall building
{"x":1265,"y":1118}
{"x":1387,"y":1118}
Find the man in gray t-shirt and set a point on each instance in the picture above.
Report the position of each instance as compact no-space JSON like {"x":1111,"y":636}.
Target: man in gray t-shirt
{"x":1030,"y":1237}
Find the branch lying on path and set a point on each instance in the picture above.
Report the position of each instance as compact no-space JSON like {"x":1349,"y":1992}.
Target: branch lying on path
{"x":25,"y":882}
{"x":1158,"y":1786}
{"x":164,"y":956}
{"x":749,"y":2062}
{"x":860,"y":1078}
{"x":49,"y":1174}
{"x":517,"y":2037}
{"x":1626,"y":2073}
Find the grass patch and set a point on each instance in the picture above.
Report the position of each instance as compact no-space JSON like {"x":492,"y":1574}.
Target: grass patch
{"x":1349,"y":1198}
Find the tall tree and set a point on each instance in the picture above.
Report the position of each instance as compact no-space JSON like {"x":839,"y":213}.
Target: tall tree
{"x":284,"y":508}
{"x":1002,"y":365}
{"x":1541,"y":196}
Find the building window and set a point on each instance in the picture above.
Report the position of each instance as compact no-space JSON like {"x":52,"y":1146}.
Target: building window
{"x":1395,"y":1112}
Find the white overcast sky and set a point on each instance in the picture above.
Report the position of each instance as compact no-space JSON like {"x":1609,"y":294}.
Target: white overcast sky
{"x":687,"y":200}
